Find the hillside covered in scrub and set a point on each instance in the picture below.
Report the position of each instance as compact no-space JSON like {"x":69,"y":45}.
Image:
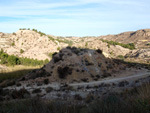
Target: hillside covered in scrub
{"x":35,"y":44}
{"x":74,"y":72}
{"x":75,"y":64}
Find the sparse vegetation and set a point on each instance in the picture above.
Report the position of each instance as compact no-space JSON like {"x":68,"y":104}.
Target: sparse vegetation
{"x":51,"y":38}
{"x":13,"y":44}
{"x":36,"y":91}
{"x":41,"y":33}
{"x":129,"y":46}
{"x":65,"y":41}
{"x":86,"y":44}
{"x":64,"y":71}
{"x":120,"y":57}
{"x":48,"y":89}
{"x":21,"y":51}
{"x":20,"y":94}
{"x":148,"y":44}
{"x":46,"y":81}
{"x":134,"y":101}
{"x":50,"y":55}
{"x":58,"y":48}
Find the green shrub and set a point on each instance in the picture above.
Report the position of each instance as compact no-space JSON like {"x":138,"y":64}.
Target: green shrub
{"x":65,"y":41}
{"x":129,"y":46}
{"x":21,"y":51}
{"x":86,"y":44}
{"x":50,"y":55}
{"x":148,"y":44}
{"x":13,"y":44}
{"x":120,"y":57}
{"x":58,"y":48}
{"x":14,"y":60}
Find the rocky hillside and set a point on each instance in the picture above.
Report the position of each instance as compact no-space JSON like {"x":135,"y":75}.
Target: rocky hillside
{"x":140,"y":38}
{"x":97,"y":43}
{"x":74,"y":64}
{"x":31,"y":44}
{"x":37,"y":45}
{"x":140,"y":55}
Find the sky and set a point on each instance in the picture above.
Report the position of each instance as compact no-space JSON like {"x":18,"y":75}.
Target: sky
{"x":75,"y":17}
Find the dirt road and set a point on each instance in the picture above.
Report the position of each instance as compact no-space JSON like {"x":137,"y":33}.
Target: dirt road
{"x":133,"y":77}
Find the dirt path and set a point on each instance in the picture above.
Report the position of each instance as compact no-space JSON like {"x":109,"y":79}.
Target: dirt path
{"x":108,"y":80}
{"x":133,"y":77}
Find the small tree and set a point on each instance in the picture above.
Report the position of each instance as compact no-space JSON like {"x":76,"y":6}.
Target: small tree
{"x":12,"y":60}
{"x":58,"y":48}
{"x":21,"y":51}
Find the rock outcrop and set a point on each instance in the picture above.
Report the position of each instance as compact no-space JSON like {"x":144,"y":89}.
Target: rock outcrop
{"x":140,"y":53}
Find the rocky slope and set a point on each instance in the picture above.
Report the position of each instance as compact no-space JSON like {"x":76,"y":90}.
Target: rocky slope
{"x":140,"y":55}
{"x":140,"y":38}
{"x":74,"y":64}
{"x":33,"y":44}
{"x":27,"y":43}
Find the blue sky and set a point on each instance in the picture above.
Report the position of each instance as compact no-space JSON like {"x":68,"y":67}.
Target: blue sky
{"x":75,"y":17}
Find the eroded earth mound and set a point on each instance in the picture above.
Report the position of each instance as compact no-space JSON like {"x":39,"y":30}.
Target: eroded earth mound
{"x":75,"y":64}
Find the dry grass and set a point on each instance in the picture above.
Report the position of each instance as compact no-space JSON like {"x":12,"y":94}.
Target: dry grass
{"x":134,"y":101}
{"x":15,"y":72}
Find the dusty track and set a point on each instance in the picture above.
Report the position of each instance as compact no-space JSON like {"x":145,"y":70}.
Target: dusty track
{"x":133,"y":77}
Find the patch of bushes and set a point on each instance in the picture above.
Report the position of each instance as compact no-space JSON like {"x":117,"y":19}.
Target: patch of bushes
{"x":36,"y":91}
{"x":106,"y":75}
{"x":84,"y":79}
{"x":61,"y":40}
{"x":46,"y":81}
{"x":148,"y":44}
{"x":50,"y":55}
{"x":13,"y":44}
{"x":21,"y":51}
{"x":58,"y":57}
{"x":120,"y":57}
{"x":86,"y":44}
{"x":64,"y":71}
{"x":99,"y":51}
{"x":129,"y":46}
{"x":19,"y":94}
{"x":58,"y":48}
{"x":41,"y":33}
{"x":134,"y":101}
{"x":14,"y":60}
{"x":123,"y":83}
{"x":49,"y":89}
{"x":65,"y":41}
{"x":77,"y":97}
{"x":87,"y":63}
{"x":74,"y":50}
